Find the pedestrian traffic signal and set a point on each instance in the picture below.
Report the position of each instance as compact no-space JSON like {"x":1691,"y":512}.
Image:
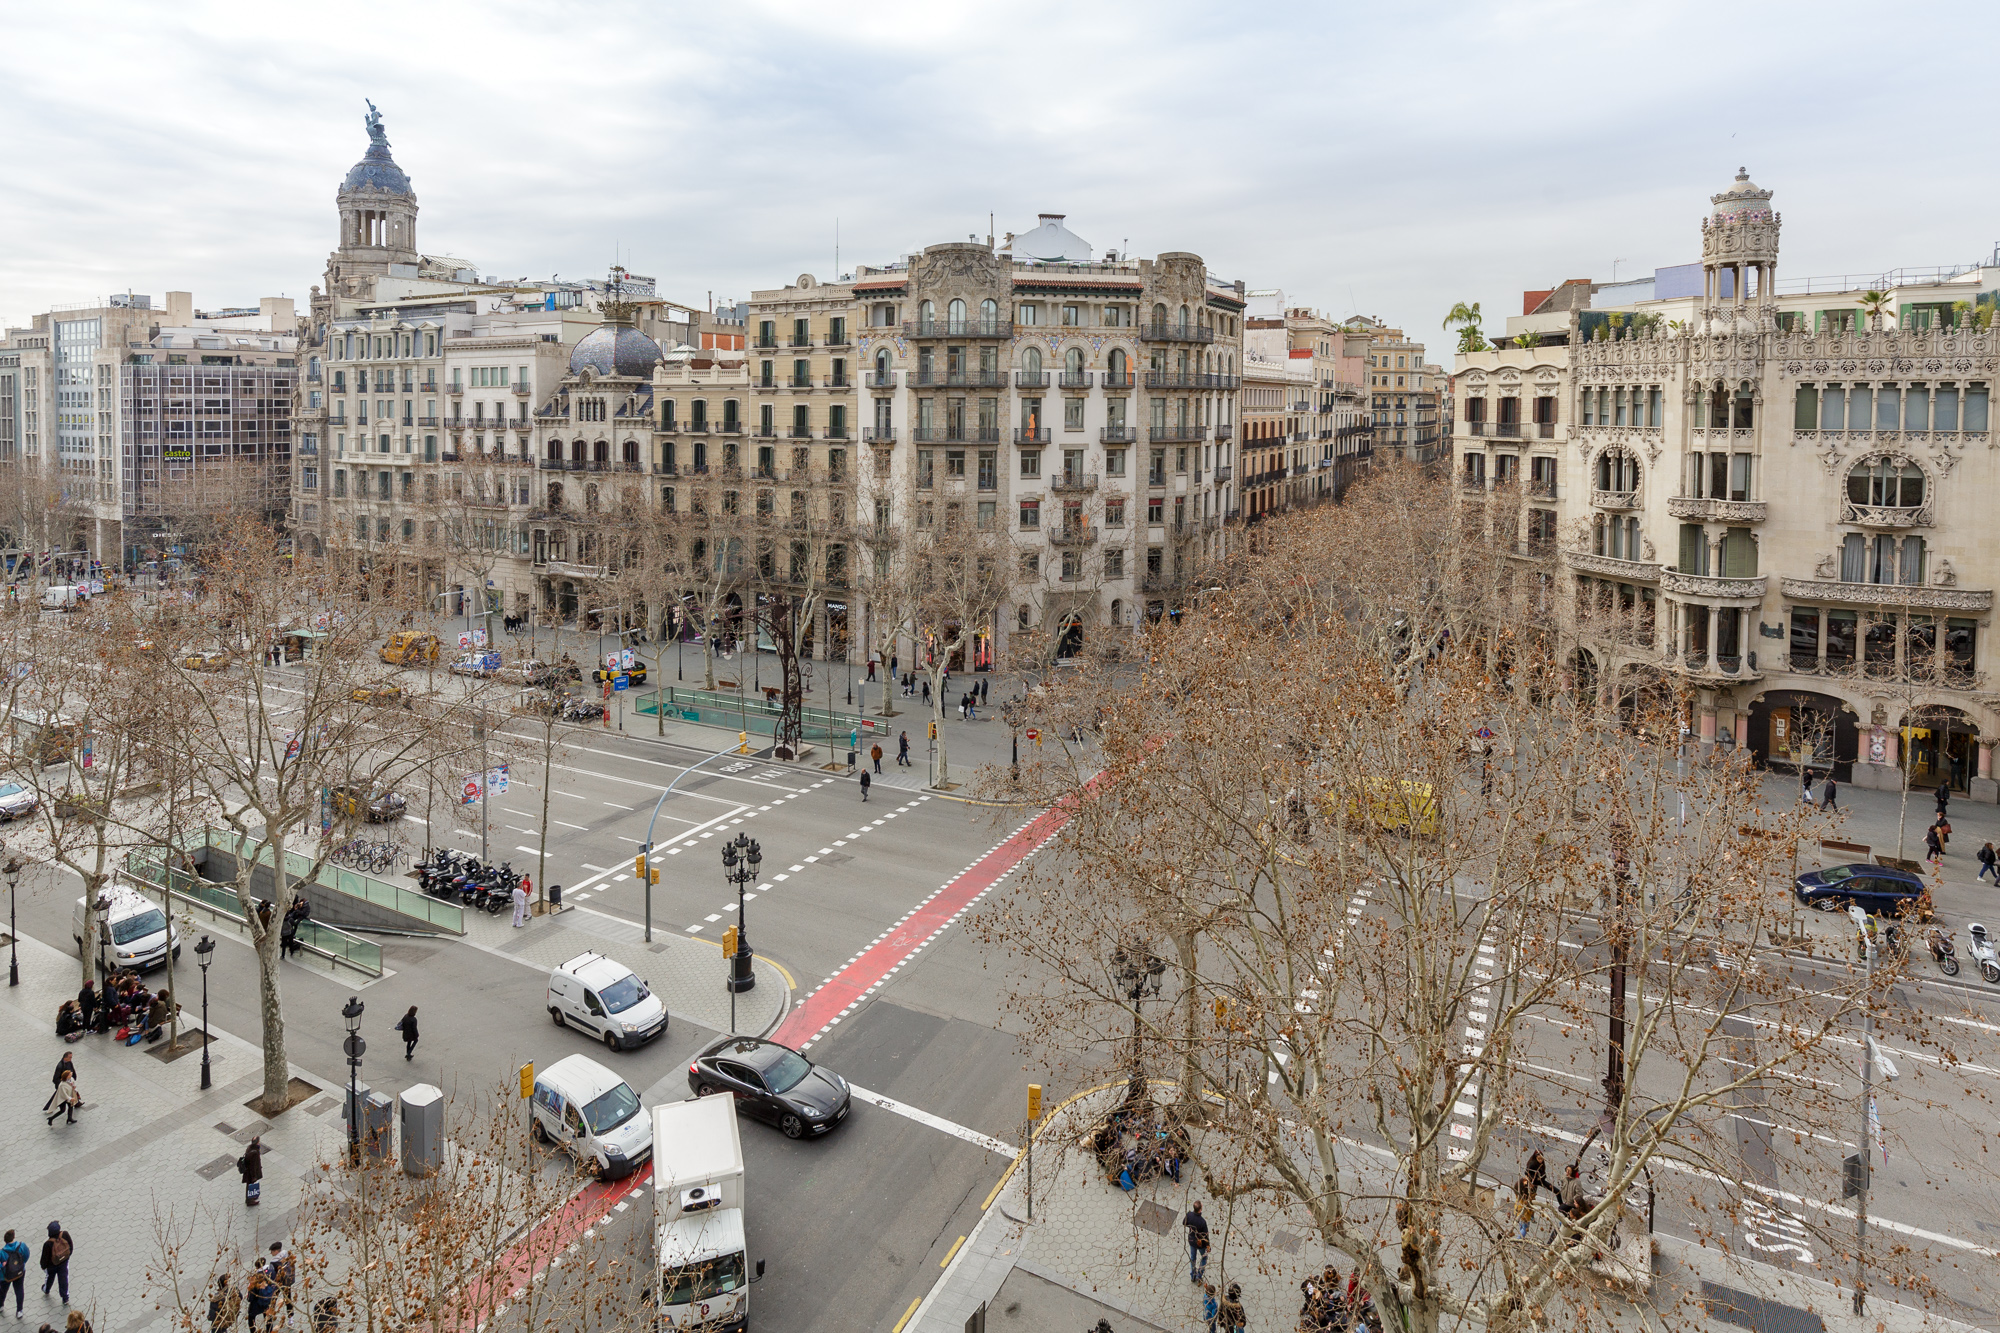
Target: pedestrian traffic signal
{"x":639,"y":867}
{"x":1034,"y":1101}
{"x":729,"y":941}
{"x":528,"y":1079}
{"x":934,"y":730}
{"x":743,"y":742}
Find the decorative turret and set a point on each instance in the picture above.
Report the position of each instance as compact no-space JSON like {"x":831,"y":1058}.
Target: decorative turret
{"x":1740,"y":238}
{"x":378,"y":209}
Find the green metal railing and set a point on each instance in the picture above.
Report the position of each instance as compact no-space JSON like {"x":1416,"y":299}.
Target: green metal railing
{"x":444,"y":915}
{"x":715,"y":708}
{"x":329,"y":942}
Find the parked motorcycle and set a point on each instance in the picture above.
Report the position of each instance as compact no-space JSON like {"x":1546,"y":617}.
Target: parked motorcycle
{"x":1983,"y":954}
{"x":1942,"y":952}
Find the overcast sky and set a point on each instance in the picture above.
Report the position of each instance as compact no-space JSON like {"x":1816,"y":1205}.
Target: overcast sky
{"x":1383,"y":159}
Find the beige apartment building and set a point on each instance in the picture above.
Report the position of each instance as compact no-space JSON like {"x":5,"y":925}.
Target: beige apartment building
{"x":1771,"y":492}
{"x":1330,"y":436}
{"x":1085,"y":404}
{"x":1402,"y":392}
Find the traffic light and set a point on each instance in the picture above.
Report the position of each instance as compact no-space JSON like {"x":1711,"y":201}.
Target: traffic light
{"x":729,"y":941}
{"x":1034,"y":1101}
{"x":528,"y":1079}
{"x":933,"y":729}
{"x":639,"y":867}
{"x":743,"y":742}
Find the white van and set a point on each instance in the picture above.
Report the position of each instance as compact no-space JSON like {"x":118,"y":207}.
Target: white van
{"x":589,"y":1110}
{"x":605,"y":998}
{"x":698,"y":1239}
{"x":64,"y":597}
{"x":132,"y":931}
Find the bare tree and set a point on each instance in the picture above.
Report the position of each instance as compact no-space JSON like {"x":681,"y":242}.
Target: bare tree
{"x":963,"y":572}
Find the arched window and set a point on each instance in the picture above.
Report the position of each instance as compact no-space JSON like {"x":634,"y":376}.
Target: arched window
{"x":576,"y":451}
{"x":554,"y":451}
{"x":1617,"y":471}
{"x":590,"y":499}
{"x":1117,"y":611}
{"x":600,"y":452}
{"x":1160,"y":313}
{"x":1886,"y":483}
{"x":1118,"y":365}
{"x":1031,"y":361}
{"x":989,"y":310}
{"x":955,"y":312}
{"x":1022,"y":616}
{"x":882,"y":366}
{"x":1073,"y":364}
{"x":632,"y":453}
{"x":926,"y":312}
{"x":1184,"y":317}
{"x":555,"y":495}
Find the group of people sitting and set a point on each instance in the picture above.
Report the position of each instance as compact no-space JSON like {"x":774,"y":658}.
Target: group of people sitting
{"x":125,"y":1004}
{"x":1139,"y":1142}
{"x":1331,"y":1307}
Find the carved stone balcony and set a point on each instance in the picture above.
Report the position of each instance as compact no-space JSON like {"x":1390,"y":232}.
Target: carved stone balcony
{"x":1710,"y":588}
{"x":1701,"y":508}
{"x":1917,"y":596}
{"x":1635,"y":571}
{"x":1894,"y":518}
{"x":1614,"y":499}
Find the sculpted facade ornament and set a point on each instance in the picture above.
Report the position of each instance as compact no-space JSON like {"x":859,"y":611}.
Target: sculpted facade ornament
{"x":1922,"y":597}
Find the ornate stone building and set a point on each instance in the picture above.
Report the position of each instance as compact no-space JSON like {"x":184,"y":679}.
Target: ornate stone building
{"x":1773,"y":496}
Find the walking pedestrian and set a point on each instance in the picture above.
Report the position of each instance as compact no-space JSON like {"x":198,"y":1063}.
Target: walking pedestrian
{"x":521,"y":904}
{"x":86,"y":1000}
{"x":65,"y":1068}
{"x":985,"y":687}
{"x":1524,"y":1204}
{"x":894,"y":661}
{"x":250,"y":1166}
{"x":326,"y":1315}
{"x":13,"y":1271}
{"x":927,"y":691}
{"x":1933,"y":847}
{"x":76,"y":1323}
{"x":903,"y":749}
{"x":871,"y":671}
{"x":56,"y":1251}
{"x":1944,"y":832}
{"x":1210,"y":1307}
{"x":225,"y":1306}
{"x":1989,"y":863}
{"x":1830,"y":799}
{"x":263,"y":1293}
{"x":407,"y":1025}
{"x":284,"y":1270}
{"x":1230,"y":1316}
{"x":864,"y":786}
{"x":1943,"y":798}
{"x":66,"y":1100}
{"x":1197,"y":1242}
{"x":1805,"y":784}
{"x":875,"y":753}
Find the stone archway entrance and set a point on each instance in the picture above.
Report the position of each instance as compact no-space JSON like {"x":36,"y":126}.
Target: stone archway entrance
{"x":1069,"y":638}
{"x":1791,"y":728}
{"x":1940,"y":744}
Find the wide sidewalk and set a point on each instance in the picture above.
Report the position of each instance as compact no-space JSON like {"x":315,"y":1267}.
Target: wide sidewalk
{"x":1092,"y":1248}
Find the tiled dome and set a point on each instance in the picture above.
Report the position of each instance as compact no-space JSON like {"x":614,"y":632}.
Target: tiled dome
{"x":615,"y":350}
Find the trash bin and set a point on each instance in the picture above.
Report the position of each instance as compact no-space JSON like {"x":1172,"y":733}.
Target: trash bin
{"x":555,"y":897}
{"x":378,"y":1125}
{"x":423,"y":1129}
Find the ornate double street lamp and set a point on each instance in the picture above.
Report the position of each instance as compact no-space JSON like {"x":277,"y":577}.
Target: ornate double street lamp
{"x":355,"y":1047}
{"x":741,"y":860}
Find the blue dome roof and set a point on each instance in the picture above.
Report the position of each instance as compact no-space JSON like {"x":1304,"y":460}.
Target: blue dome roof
{"x":613,"y":350}
{"x":377,"y":171}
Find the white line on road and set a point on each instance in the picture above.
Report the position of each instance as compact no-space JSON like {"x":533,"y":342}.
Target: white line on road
{"x":584,"y":828}
{"x":938,"y":1123}
{"x":614,"y":805}
{"x":532,"y":851}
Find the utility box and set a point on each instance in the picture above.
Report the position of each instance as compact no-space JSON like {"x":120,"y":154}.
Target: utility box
{"x":423,"y":1129}
{"x":378,"y":1126}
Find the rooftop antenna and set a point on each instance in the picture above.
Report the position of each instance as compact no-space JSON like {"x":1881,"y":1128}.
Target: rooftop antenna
{"x":1614,"y":269}
{"x":836,"y":249}
{"x":989,"y":232}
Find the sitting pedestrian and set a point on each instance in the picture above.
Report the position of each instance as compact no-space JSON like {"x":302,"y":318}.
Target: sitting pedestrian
{"x":326,"y":1315}
{"x":76,"y":1323}
{"x":159,"y":1013}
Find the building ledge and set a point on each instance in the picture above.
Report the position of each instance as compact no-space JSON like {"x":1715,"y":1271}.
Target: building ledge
{"x":1925,"y":597}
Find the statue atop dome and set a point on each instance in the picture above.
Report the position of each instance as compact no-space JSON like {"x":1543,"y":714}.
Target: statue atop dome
{"x":373,"y":120}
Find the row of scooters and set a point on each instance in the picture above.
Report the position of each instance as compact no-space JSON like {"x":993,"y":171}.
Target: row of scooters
{"x":461,"y":877}
{"x":1945,"y":955}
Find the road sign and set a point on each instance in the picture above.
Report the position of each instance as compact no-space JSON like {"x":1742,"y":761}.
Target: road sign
{"x":621,"y":682}
{"x":1034,"y":734}
{"x":355,"y":1045}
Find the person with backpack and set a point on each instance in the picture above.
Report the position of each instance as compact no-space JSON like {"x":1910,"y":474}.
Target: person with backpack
{"x":1230,"y":1316}
{"x":225,"y":1306}
{"x":263,"y":1295}
{"x":13,"y":1271}
{"x":284,"y":1269}
{"x":56,"y":1251}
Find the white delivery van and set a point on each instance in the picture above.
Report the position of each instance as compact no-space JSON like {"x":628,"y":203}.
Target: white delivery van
{"x":589,"y":1110}
{"x":64,"y":597}
{"x":704,"y":1277}
{"x":132,"y":931}
{"x":607,"y":999}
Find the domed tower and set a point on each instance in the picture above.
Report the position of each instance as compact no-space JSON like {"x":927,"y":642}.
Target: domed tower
{"x":1740,"y":237}
{"x":378,"y":210}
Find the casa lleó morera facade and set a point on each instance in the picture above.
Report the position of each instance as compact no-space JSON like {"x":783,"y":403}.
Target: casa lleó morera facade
{"x":1770,"y":491}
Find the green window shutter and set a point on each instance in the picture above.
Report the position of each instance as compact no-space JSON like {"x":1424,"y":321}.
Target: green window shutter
{"x":1691,"y":548}
{"x":1805,"y":410}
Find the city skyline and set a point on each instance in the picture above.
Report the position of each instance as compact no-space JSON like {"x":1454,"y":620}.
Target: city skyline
{"x":1378,"y":165}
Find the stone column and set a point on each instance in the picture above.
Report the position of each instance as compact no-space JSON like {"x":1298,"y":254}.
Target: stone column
{"x":1708,"y":724}
{"x":1983,"y":787}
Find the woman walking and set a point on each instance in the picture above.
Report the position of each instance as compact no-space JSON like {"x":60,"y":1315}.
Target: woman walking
{"x":407,"y":1025}
{"x":250,"y":1166}
{"x":66,"y":1100}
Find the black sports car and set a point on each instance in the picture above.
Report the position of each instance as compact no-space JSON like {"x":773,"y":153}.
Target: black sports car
{"x":772,"y":1082}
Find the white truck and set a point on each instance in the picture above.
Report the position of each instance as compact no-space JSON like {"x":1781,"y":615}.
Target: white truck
{"x":698,"y":1246}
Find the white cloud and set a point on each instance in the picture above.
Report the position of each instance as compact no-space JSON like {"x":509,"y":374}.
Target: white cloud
{"x":1386,"y":159}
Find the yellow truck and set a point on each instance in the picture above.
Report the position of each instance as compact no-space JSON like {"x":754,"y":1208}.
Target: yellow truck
{"x":408,"y":647}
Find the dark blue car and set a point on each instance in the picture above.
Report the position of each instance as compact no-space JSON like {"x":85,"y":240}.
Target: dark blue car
{"x":1876,"y":890}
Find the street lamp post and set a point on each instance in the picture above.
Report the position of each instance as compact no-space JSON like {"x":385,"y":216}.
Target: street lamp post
{"x":13,"y":935}
{"x":741,"y":858}
{"x":1139,"y":971}
{"x":202,"y":953}
{"x":355,"y":1047}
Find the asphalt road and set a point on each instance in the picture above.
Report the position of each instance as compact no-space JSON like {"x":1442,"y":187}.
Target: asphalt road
{"x":852,"y":1226}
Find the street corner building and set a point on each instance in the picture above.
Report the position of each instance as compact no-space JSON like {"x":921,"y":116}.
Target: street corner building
{"x":1765,"y":490}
